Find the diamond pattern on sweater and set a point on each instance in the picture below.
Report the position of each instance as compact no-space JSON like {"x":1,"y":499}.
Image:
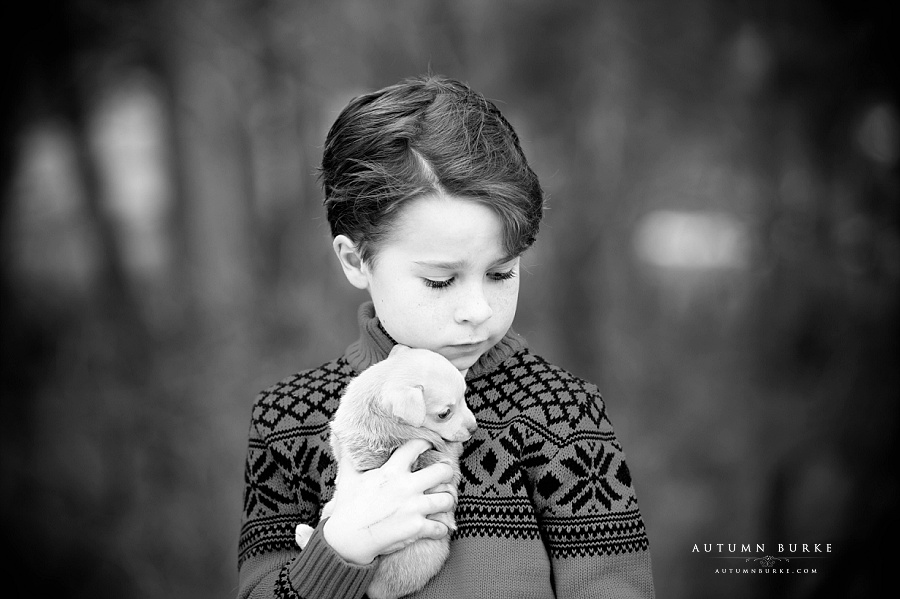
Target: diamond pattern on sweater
{"x":544,"y":463}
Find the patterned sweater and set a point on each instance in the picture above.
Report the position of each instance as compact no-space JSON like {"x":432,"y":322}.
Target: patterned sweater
{"x":546,"y":505}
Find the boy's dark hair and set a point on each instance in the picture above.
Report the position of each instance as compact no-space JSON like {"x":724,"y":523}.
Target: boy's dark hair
{"x":425,"y":135}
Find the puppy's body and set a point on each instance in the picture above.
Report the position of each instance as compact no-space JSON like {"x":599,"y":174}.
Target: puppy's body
{"x":414,"y":393}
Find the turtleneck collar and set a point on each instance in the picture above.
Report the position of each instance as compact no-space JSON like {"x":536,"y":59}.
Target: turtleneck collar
{"x":374,"y":344}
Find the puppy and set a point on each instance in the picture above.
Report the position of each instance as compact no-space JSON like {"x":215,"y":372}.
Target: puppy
{"x":413,"y":393}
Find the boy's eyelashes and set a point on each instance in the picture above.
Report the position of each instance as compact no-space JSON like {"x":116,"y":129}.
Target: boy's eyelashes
{"x":438,"y":284}
{"x":444,"y":283}
{"x":502,"y":276}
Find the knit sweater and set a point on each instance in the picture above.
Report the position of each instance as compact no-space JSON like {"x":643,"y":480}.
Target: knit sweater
{"x":546,"y":504}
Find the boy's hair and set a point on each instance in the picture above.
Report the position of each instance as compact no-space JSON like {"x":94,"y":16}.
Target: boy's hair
{"x":425,"y":135}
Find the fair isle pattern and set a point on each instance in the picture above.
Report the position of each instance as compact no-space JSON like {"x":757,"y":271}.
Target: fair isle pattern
{"x":544,"y":458}
{"x":289,"y":473}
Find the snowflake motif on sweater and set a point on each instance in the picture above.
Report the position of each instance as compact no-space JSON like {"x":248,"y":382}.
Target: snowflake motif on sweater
{"x":543,"y":475}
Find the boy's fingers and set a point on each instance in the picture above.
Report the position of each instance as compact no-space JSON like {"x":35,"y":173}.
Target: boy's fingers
{"x":432,"y":476}
{"x":346,"y":469}
{"x":434,"y":530}
{"x":445,"y":488}
{"x":406,"y":455}
{"x":439,"y":502}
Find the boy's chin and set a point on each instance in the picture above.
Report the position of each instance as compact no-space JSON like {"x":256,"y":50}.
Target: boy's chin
{"x":463,"y":363}
{"x":462,"y":360}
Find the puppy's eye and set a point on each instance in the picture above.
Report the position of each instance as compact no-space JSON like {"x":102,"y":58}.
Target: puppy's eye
{"x":445,"y":414}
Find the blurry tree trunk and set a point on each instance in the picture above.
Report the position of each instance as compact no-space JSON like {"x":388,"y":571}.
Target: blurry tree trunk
{"x":115,"y":288}
{"x":164,"y":60}
{"x":46,"y":75}
{"x":214,"y":222}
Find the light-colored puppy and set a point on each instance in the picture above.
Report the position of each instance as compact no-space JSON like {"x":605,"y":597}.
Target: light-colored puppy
{"x":413,"y":393}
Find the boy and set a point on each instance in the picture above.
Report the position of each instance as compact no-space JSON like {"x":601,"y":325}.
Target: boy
{"x":431,"y":203}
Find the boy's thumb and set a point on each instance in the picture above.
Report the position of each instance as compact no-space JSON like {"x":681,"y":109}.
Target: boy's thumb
{"x":407,"y":454}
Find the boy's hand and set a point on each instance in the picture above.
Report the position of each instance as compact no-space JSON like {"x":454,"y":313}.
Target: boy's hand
{"x":383,"y":510}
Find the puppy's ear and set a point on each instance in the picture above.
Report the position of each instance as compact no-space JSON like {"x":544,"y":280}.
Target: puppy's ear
{"x":398,"y":349}
{"x":406,"y":403}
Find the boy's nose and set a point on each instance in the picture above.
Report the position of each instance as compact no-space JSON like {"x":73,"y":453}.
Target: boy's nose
{"x":474,"y":308}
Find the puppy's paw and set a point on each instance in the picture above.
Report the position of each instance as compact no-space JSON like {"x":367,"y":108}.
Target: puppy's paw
{"x":445,"y":518}
{"x":302,"y":535}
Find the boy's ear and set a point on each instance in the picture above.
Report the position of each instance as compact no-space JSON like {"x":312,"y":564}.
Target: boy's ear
{"x":353,"y":266}
{"x":405,"y":403}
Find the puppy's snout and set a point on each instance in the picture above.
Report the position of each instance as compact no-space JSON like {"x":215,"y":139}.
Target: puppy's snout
{"x":470,"y":425}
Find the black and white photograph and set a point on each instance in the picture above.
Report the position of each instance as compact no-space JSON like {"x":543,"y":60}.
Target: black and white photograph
{"x":473,"y":299}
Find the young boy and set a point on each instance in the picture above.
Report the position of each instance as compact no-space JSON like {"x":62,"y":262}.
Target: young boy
{"x":431,"y":203}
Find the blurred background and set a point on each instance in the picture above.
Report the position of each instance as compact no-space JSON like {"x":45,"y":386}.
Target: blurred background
{"x":721,"y":255}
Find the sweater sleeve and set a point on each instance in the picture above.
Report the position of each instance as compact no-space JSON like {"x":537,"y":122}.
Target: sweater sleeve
{"x":270,"y":564}
{"x":586,"y":504}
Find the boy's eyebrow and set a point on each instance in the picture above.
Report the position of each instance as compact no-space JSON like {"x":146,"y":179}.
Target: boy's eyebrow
{"x":454,"y":265}
{"x":506,"y":259}
{"x":457,"y":264}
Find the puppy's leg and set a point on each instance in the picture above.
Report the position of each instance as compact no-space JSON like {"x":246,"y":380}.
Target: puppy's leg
{"x":302,"y":534}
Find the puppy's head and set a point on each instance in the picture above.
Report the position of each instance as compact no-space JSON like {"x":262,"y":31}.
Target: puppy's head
{"x":425,"y":390}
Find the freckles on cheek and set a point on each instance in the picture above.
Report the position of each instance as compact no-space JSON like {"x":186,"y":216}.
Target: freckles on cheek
{"x":421,"y":311}
{"x":508,"y":305}
{"x":508,"y":298}
{"x":384,"y":313}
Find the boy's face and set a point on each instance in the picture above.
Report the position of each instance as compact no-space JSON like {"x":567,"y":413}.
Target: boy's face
{"x":441,"y":280}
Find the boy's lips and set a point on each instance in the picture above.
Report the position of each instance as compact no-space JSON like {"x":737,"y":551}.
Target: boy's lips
{"x":468,"y":344}
{"x":465,"y":348}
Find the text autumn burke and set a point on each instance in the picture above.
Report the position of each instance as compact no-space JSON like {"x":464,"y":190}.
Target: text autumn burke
{"x":761,"y":548}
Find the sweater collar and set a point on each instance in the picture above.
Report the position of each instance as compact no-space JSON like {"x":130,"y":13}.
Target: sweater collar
{"x":374,"y":344}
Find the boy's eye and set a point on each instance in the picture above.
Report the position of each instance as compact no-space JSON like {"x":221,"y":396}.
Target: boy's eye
{"x":502,"y":276}
{"x":440,"y":284}
{"x":445,"y":414}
